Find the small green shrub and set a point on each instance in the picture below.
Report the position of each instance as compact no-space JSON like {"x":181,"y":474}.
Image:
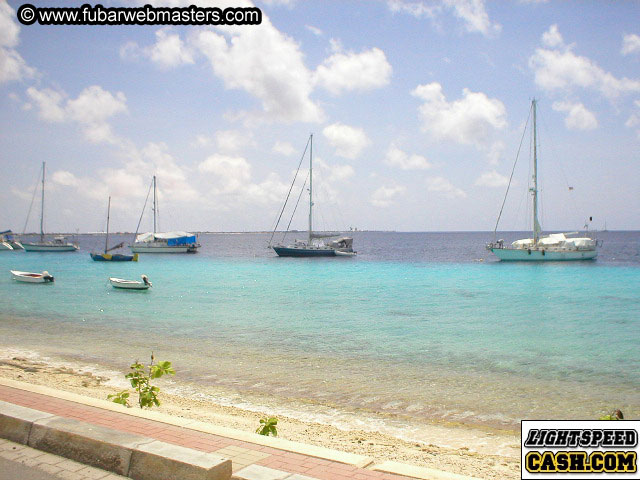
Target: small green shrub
{"x":268,"y":426}
{"x":140,"y":380}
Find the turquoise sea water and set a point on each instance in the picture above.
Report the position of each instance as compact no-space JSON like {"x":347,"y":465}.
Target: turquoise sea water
{"x":416,"y":329}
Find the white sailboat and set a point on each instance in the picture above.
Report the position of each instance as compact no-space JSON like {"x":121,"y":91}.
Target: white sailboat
{"x":342,"y":246}
{"x":553,"y":247}
{"x":166,"y":242}
{"x":58,"y":244}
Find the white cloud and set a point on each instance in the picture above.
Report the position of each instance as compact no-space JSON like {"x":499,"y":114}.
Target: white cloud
{"x":634,"y":120}
{"x":285,"y":148}
{"x":49,"y":102}
{"x":630,"y":44}
{"x":266,"y":64}
{"x":341,"y":173}
{"x":386,"y":195}
{"x":445,"y":187}
{"x":496,"y":152}
{"x":155,"y":159}
{"x":231,"y":177}
{"x":129,"y":184}
{"x":65,"y":178}
{"x":230,"y":174}
{"x":348,"y":141}
{"x":561,"y":69}
{"x":169,"y":50}
{"x":469,"y":120}
{"x":472,"y":12}
{"x":201,"y":141}
{"x":269,"y":191}
{"x":12,"y":66}
{"x":91,"y":110}
{"x":475,"y":16}
{"x":398,"y":158}
{"x":492,"y":179}
{"x":415,"y":9}
{"x":343,"y":72}
{"x":231,"y":140}
{"x":552,"y":38}
{"x":130,"y":51}
{"x":578,"y":117}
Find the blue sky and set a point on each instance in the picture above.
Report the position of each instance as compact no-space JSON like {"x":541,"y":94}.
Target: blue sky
{"x":417,"y":110}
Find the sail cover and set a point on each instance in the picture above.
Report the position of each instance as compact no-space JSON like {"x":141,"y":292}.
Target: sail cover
{"x":172,"y":238}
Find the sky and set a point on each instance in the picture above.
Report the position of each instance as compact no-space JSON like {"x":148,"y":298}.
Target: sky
{"x":417,"y":110}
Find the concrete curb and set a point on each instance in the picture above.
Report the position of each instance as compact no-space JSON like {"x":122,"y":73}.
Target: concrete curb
{"x":135,"y":456}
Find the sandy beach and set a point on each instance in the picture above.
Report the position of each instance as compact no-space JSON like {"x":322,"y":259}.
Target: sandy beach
{"x":479,"y":461}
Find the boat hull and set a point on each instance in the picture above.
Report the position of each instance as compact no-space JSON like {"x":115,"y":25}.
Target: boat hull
{"x":164,"y":248}
{"x":116,"y":257}
{"x":541,"y":255}
{"x":29,"y":277}
{"x":44,"y":247}
{"x":305,"y":251}
{"x":128,"y":284}
{"x":5,"y":246}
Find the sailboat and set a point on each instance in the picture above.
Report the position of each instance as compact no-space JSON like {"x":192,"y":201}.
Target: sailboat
{"x":58,"y":244}
{"x":167,"y":242}
{"x":342,"y":246}
{"x":553,"y":247}
{"x":112,"y":257}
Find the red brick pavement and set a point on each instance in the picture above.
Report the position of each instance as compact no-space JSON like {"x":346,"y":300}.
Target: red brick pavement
{"x":278,"y":459}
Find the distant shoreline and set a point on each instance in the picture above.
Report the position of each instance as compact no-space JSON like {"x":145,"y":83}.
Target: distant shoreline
{"x":262,"y":232}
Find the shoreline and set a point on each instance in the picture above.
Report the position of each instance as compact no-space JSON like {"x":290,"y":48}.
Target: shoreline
{"x":455,"y":449}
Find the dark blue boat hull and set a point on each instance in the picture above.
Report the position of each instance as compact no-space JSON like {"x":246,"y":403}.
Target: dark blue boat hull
{"x":304,"y":252}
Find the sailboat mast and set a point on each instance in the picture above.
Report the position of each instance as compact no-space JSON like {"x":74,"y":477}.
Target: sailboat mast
{"x":311,"y":189}
{"x":106,"y":240}
{"x":42,"y":206}
{"x":155,"y":205}
{"x":536,"y":224}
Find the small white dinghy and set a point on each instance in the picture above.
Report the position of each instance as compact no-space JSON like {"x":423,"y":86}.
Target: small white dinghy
{"x":30,"y":277}
{"x":130,"y":284}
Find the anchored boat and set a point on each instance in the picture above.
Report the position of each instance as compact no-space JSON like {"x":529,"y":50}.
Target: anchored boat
{"x":30,"y":277}
{"x":112,"y":257}
{"x":58,"y":244}
{"x":300,"y":248}
{"x":167,"y":242}
{"x":145,"y":284}
{"x":553,"y":247}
